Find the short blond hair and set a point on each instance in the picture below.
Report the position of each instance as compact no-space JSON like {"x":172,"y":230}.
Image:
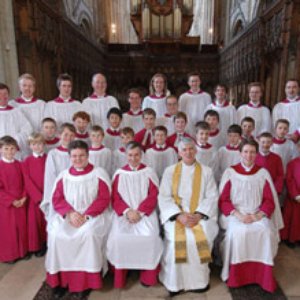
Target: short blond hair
{"x":36,"y":137}
{"x":27,"y":76}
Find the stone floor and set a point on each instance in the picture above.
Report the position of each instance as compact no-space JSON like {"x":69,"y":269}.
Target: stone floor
{"x":22,"y":281}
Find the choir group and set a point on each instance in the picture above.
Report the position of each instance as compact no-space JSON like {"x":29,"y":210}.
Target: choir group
{"x":164,"y":188}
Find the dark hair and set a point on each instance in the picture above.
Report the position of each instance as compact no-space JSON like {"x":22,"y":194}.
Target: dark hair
{"x":235,"y":128}
{"x":189,"y":75}
{"x":250,"y":142}
{"x":202,"y":125}
{"x":114,"y":111}
{"x":249,"y":120}
{"x":78,"y":144}
{"x":181,"y":115}
{"x":97,"y":128}
{"x":132,"y":145}
{"x":161,"y":128}
{"x":69,"y":126}
{"x":266,"y":135}
{"x":49,"y":120}
{"x":63,"y":77}
{"x":3,"y":86}
{"x":149,"y":111}
{"x":284,"y":121}
{"x":136,"y":91}
{"x":212,"y":113}
{"x":256,"y":84}
{"x":222,"y":86}
{"x":8,"y":141}
{"x":127,"y":130}
{"x":293,"y":80}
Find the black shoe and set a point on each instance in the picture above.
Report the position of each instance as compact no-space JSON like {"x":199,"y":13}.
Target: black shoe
{"x":290,"y":244}
{"x":40,"y":253}
{"x":199,"y":291}
{"x":27,"y":256}
{"x":145,"y":285}
{"x":81,"y":295}
{"x":11,"y":262}
{"x":59,"y":292}
{"x":173,"y":294}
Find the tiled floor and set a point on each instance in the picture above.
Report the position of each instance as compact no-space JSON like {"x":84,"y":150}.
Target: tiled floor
{"x":22,"y":281}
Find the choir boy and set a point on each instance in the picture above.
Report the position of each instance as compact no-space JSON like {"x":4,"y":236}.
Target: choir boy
{"x":194,"y":101}
{"x":13,"y":218}
{"x":160,"y":155}
{"x":119,"y":155}
{"x":99,"y":155}
{"x":48,"y":130}
{"x":216,"y":137}
{"x":230,"y":155}
{"x":63,"y":107}
{"x":227,"y":112}
{"x":99,"y":102}
{"x":112,"y":138}
{"x":167,"y":119}
{"x":158,"y":93}
{"x":291,"y":210}
{"x":206,"y":153}
{"x":134,"y":117}
{"x":34,"y":172}
{"x":271,"y":161}
{"x":248,"y":127}
{"x":285,"y":148}
{"x":81,"y":121}
{"x":13,"y":122}
{"x":146,"y":136}
{"x":134,"y":241}
{"x":254,"y":109}
{"x":289,"y":108}
{"x":32,"y":107}
{"x":57,"y":160}
{"x":180,"y":123}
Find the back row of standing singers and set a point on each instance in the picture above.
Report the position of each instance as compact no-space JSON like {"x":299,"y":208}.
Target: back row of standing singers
{"x":159,"y":128}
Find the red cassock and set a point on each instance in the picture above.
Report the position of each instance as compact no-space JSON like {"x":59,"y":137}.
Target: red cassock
{"x":171,"y":140}
{"x":291,"y":209}
{"x":246,"y":268}
{"x":273,"y":163}
{"x":13,"y":230}
{"x":139,"y":137}
{"x":34,"y":172}
{"x":147,"y":206}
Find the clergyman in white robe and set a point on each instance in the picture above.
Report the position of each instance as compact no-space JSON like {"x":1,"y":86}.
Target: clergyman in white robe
{"x":192,"y":274}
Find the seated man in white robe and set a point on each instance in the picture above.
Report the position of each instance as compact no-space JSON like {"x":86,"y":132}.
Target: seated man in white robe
{"x":134,"y":241}
{"x":251,"y":219}
{"x":78,"y":226}
{"x":188,"y":200}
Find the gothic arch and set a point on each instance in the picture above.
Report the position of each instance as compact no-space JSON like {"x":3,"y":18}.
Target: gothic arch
{"x":238,"y":26}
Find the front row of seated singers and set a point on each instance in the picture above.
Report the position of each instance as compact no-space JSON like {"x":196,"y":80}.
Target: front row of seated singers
{"x":83,"y":233}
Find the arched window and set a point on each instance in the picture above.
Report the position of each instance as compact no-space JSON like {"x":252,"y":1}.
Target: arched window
{"x":237,"y":28}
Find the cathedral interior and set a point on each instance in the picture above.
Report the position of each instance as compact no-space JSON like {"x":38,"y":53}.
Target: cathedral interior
{"x":234,"y":42}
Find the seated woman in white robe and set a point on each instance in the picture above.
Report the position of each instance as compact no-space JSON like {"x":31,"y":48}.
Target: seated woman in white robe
{"x":188,"y":200}
{"x":251,"y":219}
{"x":134,"y":241}
{"x":78,"y":226}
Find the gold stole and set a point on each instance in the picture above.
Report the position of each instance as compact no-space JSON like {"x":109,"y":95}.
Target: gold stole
{"x":180,"y":235}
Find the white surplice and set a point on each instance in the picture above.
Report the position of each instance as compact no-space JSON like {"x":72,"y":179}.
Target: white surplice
{"x":135,"y":246}
{"x":246,"y":196}
{"x":101,"y":158}
{"x":78,"y":249}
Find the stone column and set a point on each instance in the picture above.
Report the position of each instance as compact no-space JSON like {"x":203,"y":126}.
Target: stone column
{"x":9,"y":70}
